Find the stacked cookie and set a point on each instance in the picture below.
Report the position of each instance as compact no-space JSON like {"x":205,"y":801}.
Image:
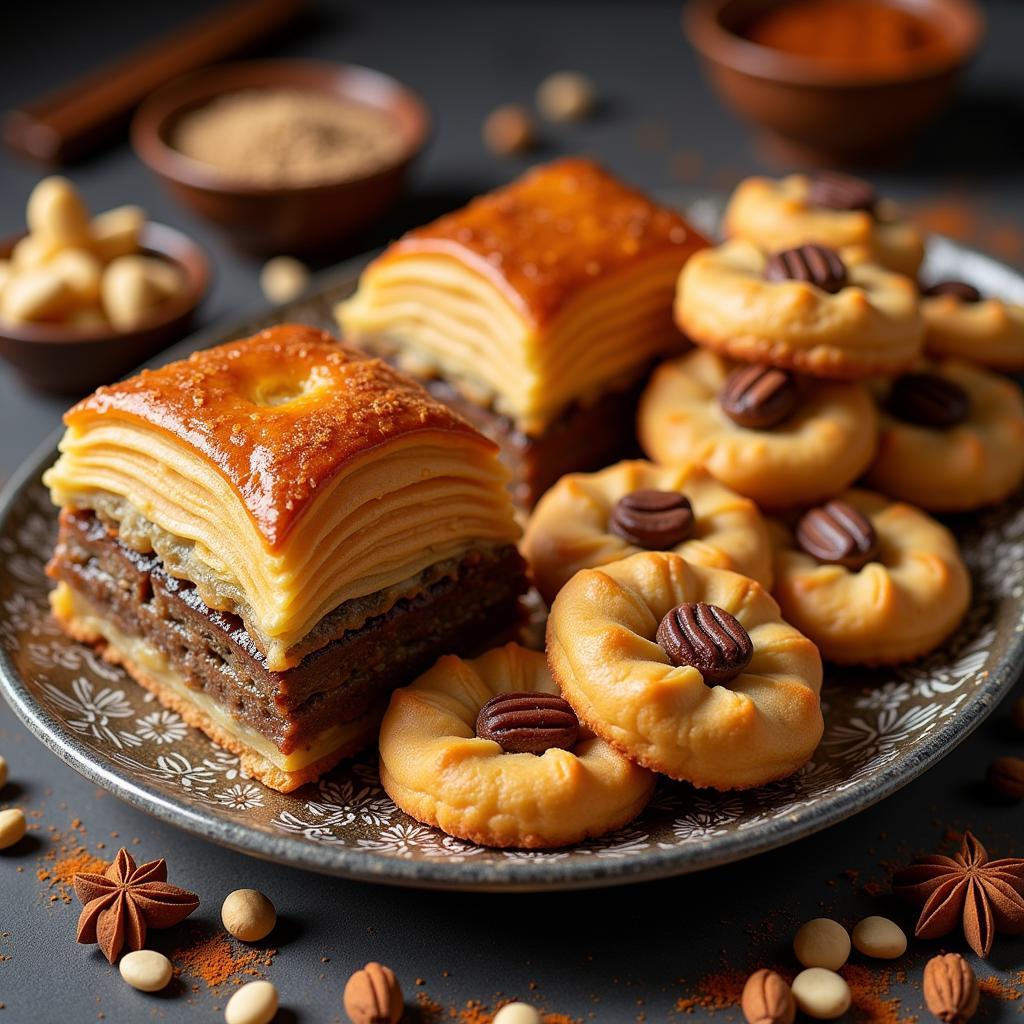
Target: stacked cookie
{"x":692,"y":597}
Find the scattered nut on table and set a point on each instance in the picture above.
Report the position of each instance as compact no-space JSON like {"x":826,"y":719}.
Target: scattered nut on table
{"x":373,"y":996}
{"x":12,"y":827}
{"x":1006,"y":777}
{"x":254,"y":1003}
{"x":248,"y":915}
{"x":517,"y":1013}
{"x":822,"y":943}
{"x":767,"y":999}
{"x":821,"y":993}
{"x":950,"y":988}
{"x":566,"y":96}
{"x":283,"y":278}
{"x":3,"y":771}
{"x":146,"y":970}
{"x":509,"y":129}
{"x":880,"y":938}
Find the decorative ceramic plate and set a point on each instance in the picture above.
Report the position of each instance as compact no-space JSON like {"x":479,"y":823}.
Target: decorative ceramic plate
{"x":882,"y":728}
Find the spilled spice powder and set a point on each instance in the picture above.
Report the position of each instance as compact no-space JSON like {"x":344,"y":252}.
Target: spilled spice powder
{"x":720,"y":991}
{"x":869,"y":987}
{"x":214,"y":959}
{"x":66,"y":854}
{"x":997,"y":988}
{"x":429,"y":1011}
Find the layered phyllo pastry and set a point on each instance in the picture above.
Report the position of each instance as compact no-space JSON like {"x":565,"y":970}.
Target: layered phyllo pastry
{"x":536,"y":311}
{"x":274,"y":534}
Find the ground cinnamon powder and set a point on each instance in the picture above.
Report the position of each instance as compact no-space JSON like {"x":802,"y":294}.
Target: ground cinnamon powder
{"x":211,"y":957}
{"x":719,"y":991}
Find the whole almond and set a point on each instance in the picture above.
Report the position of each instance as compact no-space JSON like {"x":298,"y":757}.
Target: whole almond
{"x":767,"y":999}
{"x":1006,"y":777}
{"x":373,"y":996}
{"x":950,"y":988}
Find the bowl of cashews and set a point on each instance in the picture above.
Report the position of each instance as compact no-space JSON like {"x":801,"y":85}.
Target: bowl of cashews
{"x":85,"y":299}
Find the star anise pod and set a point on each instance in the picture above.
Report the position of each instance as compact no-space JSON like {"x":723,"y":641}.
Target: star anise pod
{"x":125,"y":900}
{"x":987,"y":896}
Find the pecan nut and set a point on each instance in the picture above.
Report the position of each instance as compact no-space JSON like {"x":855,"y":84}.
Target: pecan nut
{"x":373,"y":996}
{"x":1006,"y":777}
{"x":651,"y":519}
{"x":950,"y":988}
{"x":759,"y":397}
{"x":707,"y":638}
{"x":835,"y":191}
{"x":837,"y":533}
{"x":958,"y":289}
{"x":815,"y":264}
{"x":528,"y":723}
{"x":767,"y":999}
{"x":928,"y":400}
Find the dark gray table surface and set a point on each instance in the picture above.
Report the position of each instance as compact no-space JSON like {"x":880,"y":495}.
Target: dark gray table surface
{"x":613,"y":955}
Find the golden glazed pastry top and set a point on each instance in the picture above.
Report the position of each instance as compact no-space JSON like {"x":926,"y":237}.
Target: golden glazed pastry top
{"x":435,"y":767}
{"x":278,"y":414}
{"x":551,"y":233}
{"x":904,"y":602}
{"x":570,"y":528}
{"x":989,"y":333}
{"x":551,"y":291}
{"x":284,"y":475}
{"x":778,"y":214}
{"x":601,"y":641}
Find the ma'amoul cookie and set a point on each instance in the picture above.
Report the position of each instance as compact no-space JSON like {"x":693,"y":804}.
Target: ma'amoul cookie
{"x":869,"y":580}
{"x":773,"y":436}
{"x":487,"y":751}
{"x":591,"y":519}
{"x":688,"y":670}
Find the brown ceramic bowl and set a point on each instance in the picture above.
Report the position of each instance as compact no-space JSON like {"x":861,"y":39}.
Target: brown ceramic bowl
{"x":291,"y":219}
{"x":74,"y":360}
{"x":824,"y":113}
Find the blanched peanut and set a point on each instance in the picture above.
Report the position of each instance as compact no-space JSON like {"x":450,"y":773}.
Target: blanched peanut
{"x":283,"y":278}
{"x":255,"y":1003}
{"x":37,"y":294}
{"x":12,"y":827}
{"x":82,"y":271}
{"x":248,"y":915}
{"x":146,"y":970}
{"x":88,"y":317}
{"x":822,"y":943}
{"x":116,"y":232}
{"x":33,"y":251}
{"x":566,"y":96}
{"x":821,"y":994}
{"x":56,"y":212}
{"x":517,"y":1013}
{"x":879,"y":937}
{"x":133,"y":286}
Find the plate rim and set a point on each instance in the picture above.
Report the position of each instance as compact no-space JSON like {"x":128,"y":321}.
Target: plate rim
{"x":449,"y":874}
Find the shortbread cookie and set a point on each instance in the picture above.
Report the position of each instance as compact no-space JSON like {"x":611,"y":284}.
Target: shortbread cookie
{"x":830,"y":209}
{"x":487,"y":751}
{"x":590,"y":519}
{"x":775,"y":437}
{"x":963,"y":324}
{"x":810,"y":309}
{"x":952,"y":438}
{"x":688,"y":670}
{"x":870,"y":581}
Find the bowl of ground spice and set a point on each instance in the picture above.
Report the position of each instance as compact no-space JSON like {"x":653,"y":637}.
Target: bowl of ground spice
{"x":835,"y":80}
{"x":283,"y":155}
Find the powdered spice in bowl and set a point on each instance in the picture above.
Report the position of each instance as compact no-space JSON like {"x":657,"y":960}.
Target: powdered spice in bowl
{"x":284,"y":156}
{"x":835,"y":80}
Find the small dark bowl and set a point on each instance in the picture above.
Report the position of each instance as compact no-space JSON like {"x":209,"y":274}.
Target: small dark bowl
{"x":264,"y":220}
{"x":822,"y":113}
{"x":73,"y":360}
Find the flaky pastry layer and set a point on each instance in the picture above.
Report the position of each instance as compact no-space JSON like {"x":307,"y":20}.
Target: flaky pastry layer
{"x":421,"y":488}
{"x":532,"y":297}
